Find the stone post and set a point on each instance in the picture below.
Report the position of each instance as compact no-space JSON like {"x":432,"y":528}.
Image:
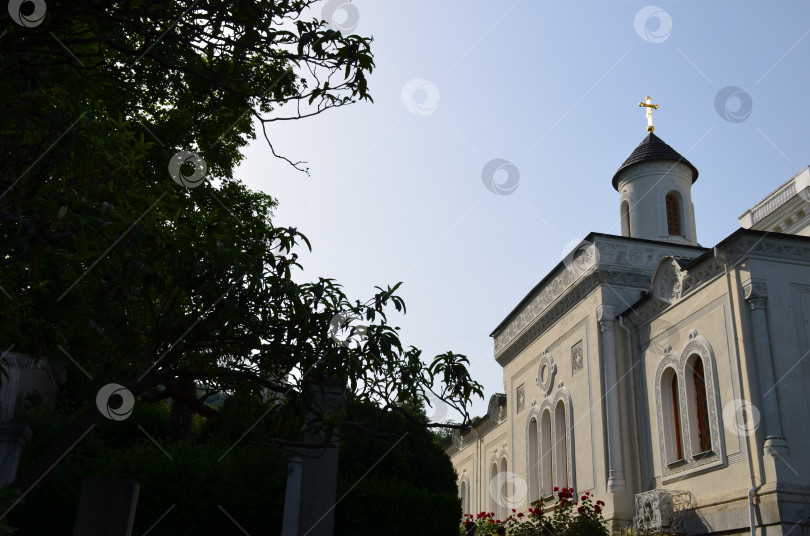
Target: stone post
{"x":756,"y":294}
{"x":309,"y":508}
{"x":292,"y":501}
{"x":607,"y":320}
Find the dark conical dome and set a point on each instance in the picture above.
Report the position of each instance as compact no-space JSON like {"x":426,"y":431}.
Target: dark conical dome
{"x":653,"y":148}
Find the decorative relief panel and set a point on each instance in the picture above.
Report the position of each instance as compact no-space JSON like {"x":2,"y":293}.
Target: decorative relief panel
{"x":520,"y":396}
{"x":577,"y":358}
{"x":666,"y":285}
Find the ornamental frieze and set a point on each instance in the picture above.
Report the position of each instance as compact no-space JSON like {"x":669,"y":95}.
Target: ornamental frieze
{"x":607,"y":258}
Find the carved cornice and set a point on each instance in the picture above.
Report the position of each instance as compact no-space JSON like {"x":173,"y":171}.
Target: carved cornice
{"x":607,"y":260}
{"x":736,"y":250}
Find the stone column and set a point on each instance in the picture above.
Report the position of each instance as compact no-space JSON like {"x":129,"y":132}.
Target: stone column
{"x":607,"y":321}
{"x":13,"y":437}
{"x":319,"y":475}
{"x":756,"y":294}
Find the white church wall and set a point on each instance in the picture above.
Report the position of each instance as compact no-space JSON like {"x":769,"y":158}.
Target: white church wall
{"x":570,"y":375}
{"x":699,"y":324}
{"x":786,"y":289}
{"x":495,"y":449}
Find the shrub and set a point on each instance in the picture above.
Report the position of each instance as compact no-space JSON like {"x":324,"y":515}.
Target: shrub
{"x":567,"y":518}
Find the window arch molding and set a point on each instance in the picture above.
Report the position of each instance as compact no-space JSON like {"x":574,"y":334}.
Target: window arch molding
{"x":564,"y":397}
{"x":505,"y":488}
{"x":464,"y":493}
{"x":546,"y":433}
{"x":681,"y":365}
{"x":533,"y":456}
{"x":669,"y":187}
{"x":670,"y":422}
{"x":632,"y":212}
{"x":494,"y":483}
{"x":673,"y":205}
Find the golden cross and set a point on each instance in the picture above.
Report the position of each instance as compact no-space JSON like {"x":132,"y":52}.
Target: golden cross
{"x":650,"y":107}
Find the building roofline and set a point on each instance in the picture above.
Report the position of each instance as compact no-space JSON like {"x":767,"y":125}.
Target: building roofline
{"x":561,"y":264}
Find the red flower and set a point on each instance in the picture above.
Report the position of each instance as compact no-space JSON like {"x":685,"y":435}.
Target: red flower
{"x":497,"y":521}
{"x":597,"y":509}
{"x":514,"y":510}
{"x":600,"y":503}
{"x":581,"y":510}
{"x":520,"y":514}
{"x":556,"y":488}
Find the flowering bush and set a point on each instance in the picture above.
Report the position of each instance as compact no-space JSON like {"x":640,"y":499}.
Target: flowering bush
{"x":567,"y":518}
{"x":485,"y":520}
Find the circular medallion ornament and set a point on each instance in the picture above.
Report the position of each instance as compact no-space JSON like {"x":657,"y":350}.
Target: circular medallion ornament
{"x":545,"y":374}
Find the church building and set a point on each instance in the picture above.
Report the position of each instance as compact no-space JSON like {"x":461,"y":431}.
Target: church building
{"x":668,"y":379}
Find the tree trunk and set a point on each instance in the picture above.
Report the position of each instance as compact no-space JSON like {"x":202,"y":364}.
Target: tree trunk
{"x":181,"y":416}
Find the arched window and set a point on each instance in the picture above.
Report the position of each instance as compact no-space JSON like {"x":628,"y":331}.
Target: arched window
{"x":672,"y":416}
{"x":494,"y":488}
{"x":673,"y":215}
{"x":462,"y":493}
{"x":625,"y":211}
{"x":533,"y":469}
{"x":560,"y":447}
{"x":699,"y":427}
{"x":689,"y":424}
{"x":546,"y":453}
{"x":506,"y":491}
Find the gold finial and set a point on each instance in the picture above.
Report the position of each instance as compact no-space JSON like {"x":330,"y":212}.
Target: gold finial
{"x":650,"y":107}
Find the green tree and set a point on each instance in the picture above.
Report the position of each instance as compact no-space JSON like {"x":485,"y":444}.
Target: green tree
{"x":109,"y":262}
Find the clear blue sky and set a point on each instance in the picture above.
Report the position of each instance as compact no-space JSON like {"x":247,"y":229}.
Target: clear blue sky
{"x":396,"y":192}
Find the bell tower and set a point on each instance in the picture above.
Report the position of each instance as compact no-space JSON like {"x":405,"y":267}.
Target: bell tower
{"x":655,"y":187}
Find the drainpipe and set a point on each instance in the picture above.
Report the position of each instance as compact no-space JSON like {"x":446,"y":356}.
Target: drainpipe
{"x":752,"y":489}
{"x":751,"y":508}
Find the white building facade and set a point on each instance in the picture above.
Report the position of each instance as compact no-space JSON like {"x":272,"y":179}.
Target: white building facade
{"x":669,"y":379}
